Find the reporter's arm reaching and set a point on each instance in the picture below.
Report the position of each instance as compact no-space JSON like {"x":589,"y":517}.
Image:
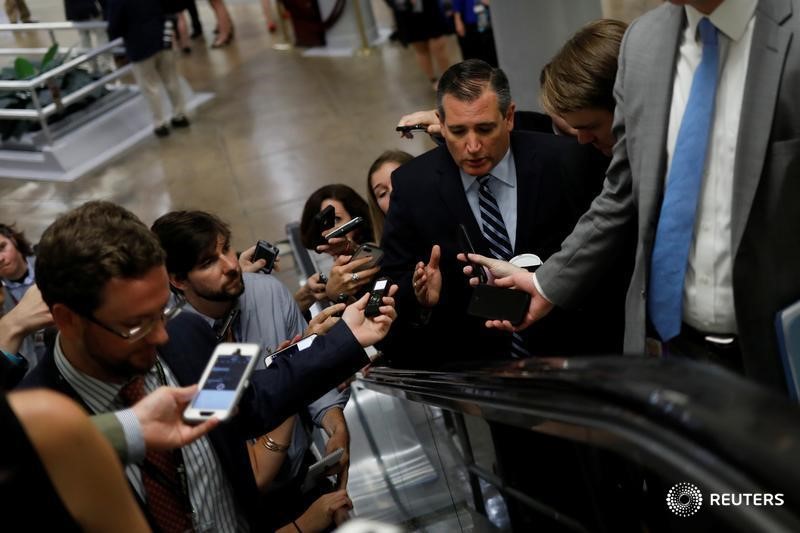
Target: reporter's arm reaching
{"x":29,"y":315}
{"x":155,"y":422}
{"x":291,"y":383}
{"x":320,"y":514}
{"x":268,"y":452}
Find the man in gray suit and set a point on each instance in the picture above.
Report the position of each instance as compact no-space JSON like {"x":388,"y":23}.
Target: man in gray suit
{"x":707,"y":124}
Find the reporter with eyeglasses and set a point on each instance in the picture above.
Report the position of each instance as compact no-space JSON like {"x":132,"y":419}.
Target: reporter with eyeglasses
{"x":101,"y":272}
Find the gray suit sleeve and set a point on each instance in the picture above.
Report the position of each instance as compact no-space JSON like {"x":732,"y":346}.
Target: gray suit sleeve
{"x":601,"y":232}
{"x":329,"y":400}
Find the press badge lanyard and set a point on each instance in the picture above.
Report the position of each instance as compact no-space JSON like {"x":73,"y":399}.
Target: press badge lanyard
{"x":160,"y":478}
{"x":231,"y":324}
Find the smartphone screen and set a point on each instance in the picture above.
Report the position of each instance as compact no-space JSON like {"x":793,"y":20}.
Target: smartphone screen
{"x":219,"y":390}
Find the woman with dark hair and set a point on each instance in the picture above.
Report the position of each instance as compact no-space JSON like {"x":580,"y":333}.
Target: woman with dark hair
{"x":345,"y":277}
{"x":347,"y":203}
{"x":379,"y":186}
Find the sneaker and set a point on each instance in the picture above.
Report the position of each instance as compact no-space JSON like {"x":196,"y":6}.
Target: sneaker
{"x":180,"y":121}
{"x":161,"y":131}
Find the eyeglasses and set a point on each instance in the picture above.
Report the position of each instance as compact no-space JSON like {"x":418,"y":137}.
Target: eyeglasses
{"x":141,"y":330}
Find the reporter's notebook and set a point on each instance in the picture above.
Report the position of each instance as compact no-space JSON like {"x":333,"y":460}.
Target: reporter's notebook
{"x":787,"y":325}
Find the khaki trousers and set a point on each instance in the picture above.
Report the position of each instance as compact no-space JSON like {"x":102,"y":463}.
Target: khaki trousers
{"x":17,"y":11}
{"x":160,"y":70}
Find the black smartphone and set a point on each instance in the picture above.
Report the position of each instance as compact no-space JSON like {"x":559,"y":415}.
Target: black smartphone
{"x":268,"y":252}
{"x":414,"y":127}
{"x":324,"y":220}
{"x":345,"y":228}
{"x":376,"y":295}
{"x":465,"y":244}
{"x":496,"y":303}
{"x":222,"y":332}
{"x":367,"y":250}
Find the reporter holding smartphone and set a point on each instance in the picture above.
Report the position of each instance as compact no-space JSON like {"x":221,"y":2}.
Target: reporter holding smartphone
{"x":101,"y":272}
{"x":251,"y":308}
{"x":344,"y":279}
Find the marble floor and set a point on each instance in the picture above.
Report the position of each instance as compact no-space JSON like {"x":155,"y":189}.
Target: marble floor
{"x":280,"y":126}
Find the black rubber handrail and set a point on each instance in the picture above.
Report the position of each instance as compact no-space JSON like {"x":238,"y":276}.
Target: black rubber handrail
{"x":683,"y":417}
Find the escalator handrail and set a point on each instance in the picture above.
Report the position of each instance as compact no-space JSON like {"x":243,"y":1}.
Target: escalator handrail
{"x":688,"y":416}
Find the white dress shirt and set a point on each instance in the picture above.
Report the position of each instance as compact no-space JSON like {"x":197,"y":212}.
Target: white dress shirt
{"x":708,"y":286}
{"x":504,"y":189}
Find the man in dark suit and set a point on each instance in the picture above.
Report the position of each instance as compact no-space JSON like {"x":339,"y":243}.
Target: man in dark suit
{"x":531,"y":187}
{"x":102,"y":275}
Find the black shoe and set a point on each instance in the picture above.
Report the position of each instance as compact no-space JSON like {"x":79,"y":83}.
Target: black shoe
{"x":161,"y":132}
{"x":180,"y":122}
{"x":187,"y":50}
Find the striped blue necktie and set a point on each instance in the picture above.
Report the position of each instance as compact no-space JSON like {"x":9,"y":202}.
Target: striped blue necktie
{"x":494,"y":230}
{"x":678,"y":210}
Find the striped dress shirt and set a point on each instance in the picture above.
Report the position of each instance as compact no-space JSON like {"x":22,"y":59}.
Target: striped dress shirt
{"x":210,"y":493}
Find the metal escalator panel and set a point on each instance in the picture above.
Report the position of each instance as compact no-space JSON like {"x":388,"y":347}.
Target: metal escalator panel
{"x":404,"y":466}
{"x":601,"y":444}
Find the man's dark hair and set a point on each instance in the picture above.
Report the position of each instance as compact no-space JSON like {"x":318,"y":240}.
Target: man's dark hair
{"x":187,"y":237}
{"x":87,"y":247}
{"x":11,"y":233}
{"x":467,"y":80}
{"x":354,"y":204}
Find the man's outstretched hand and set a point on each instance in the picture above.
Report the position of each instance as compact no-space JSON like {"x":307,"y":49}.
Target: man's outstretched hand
{"x":427,"y":279}
{"x":540,"y":306}
{"x":496,"y":267}
{"x":368,"y":331}
{"x":160,"y":414}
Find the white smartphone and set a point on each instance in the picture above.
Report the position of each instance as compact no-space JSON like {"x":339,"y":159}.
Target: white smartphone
{"x":224,"y":379}
{"x":290,"y":350}
{"x":318,"y":469}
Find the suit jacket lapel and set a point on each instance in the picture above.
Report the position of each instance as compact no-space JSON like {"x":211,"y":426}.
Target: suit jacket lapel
{"x":455,"y":199}
{"x":767,"y":54}
{"x":657,"y":85}
{"x":529,"y":180}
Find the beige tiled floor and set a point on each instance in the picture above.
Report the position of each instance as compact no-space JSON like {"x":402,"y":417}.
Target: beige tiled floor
{"x":279,"y":127}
